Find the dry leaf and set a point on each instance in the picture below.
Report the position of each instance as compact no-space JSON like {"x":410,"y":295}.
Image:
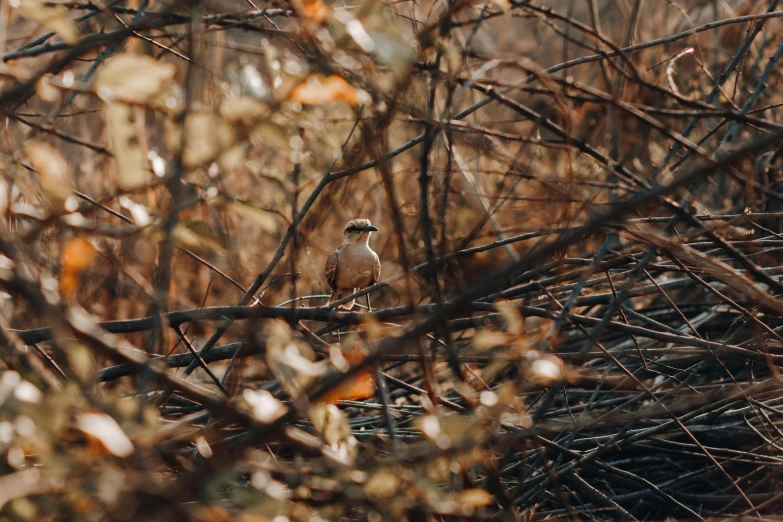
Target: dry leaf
{"x":81,"y":360}
{"x":487,"y":339}
{"x":274,"y":135}
{"x":383,"y":484}
{"x":546,"y":370}
{"x":200,"y":139}
{"x":371,"y":29}
{"x":203,"y":448}
{"x":313,"y":10}
{"x":45,"y":90}
{"x":333,"y":426}
{"x":54,"y":18}
{"x":53,"y":173}
{"x":5,"y":197}
{"x":169,"y":100}
{"x":27,"y":392}
{"x":318,"y":89}
{"x":230,"y":145}
{"x":246,"y":80}
{"x":172,"y":137}
{"x":330,"y":422}
{"x":76,"y":257}
{"x":447,"y":430}
{"x":138,"y":211}
{"x":293,"y":370}
{"x":471,"y":499}
{"x":106,"y":430}
{"x":244,"y":110}
{"x":361,"y":386}
{"x":374,"y":328}
{"x":233,"y":158}
{"x":128,"y":155}
{"x":356,"y":387}
{"x":133,"y":78}
{"x":511,"y":317}
{"x":266,"y":408}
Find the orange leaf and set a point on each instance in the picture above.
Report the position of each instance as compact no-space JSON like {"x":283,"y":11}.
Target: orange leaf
{"x":76,"y":257}
{"x":77,"y":254}
{"x":83,"y":505}
{"x":318,"y":89}
{"x":359,"y":386}
{"x":314,"y":10}
{"x":69,"y":282}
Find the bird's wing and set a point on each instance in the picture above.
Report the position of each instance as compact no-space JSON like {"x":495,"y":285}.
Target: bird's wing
{"x":331,"y":270}
{"x":376,"y":270}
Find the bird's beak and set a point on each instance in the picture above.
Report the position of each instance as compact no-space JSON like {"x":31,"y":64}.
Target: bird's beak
{"x":370,"y":228}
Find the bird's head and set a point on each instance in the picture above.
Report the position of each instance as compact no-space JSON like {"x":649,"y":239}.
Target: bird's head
{"x":357,"y":231}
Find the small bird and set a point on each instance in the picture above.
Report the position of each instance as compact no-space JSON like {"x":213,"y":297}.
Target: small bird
{"x":353,"y":265}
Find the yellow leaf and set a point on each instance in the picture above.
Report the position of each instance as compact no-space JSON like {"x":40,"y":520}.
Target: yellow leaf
{"x":383,"y":484}
{"x":53,"y":172}
{"x":81,"y":360}
{"x":201,"y":143}
{"x":205,"y":137}
{"x":133,"y":78}
{"x":274,"y":135}
{"x":474,"y":498}
{"x":244,"y":110}
{"x":172,"y":137}
{"x":487,"y":339}
{"x":54,"y":18}
{"x":128,"y":155}
{"x":227,"y":135}
{"x":232,"y":159}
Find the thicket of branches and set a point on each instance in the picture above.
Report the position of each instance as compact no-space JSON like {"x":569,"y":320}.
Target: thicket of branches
{"x":579,"y":313}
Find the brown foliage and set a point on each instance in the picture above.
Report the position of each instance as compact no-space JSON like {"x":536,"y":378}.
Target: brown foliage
{"x":579,"y":214}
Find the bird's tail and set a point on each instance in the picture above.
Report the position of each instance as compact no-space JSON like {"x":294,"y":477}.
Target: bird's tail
{"x":339,"y":294}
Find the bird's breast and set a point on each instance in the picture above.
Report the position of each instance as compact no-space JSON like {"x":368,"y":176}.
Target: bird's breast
{"x":355,"y":267}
